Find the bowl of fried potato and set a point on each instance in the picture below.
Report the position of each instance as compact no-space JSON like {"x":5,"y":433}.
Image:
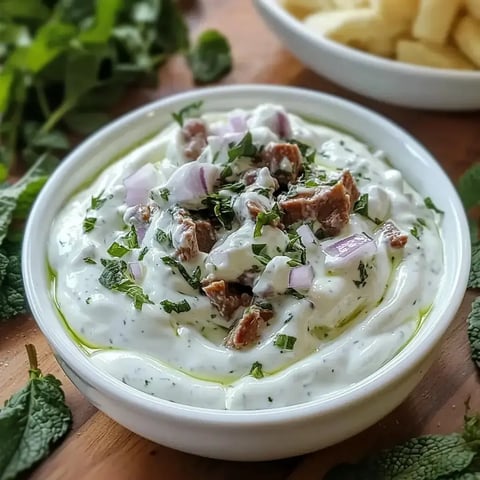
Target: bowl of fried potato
{"x":414,"y":53}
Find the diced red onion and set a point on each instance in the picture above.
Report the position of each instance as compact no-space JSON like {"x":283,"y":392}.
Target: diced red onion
{"x":136,"y":270}
{"x":301,"y":277}
{"x":306,"y":235}
{"x":141,"y":233}
{"x":353,"y":247}
{"x":238,"y":122}
{"x":284,"y":129}
{"x":139,"y":184}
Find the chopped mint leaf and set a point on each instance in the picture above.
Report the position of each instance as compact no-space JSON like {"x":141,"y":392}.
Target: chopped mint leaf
{"x":189,"y":111}
{"x":260,"y":252}
{"x":131,"y":238}
{"x":193,"y":280}
{"x":418,"y":227}
{"x":263,"y":191}
{"x":429,"y":204}
{"x":115,"y":277}
{"x":237,"y":187}
{"x":179,"y":307}
{"x":430,"y":457}
{"x":295,"y":250}
{"x":89,"y":260}
{"x":244,"y":148}
{"x":258,"y":248}
{"x":308,"y":153}
{"x":12,"y":295}
{"x":226,"y":172}
{"x":474,"y":279}
{"x":164,"y":193}
{"x":361,"y":205}
{"x":473,"y":322}
{"x":142,"y":253}
{"x":266,"y":218}
{"x":285,"y":342}
{"x":468,"y":186}
{"x":97,"y":202}
{"x":210,"y":58}
{"x":32,"y":421}
{"x":222,"y":208}
{"x":362,"y":270}
{"x":89,"y":224}
{"x":256,"y":371}
{"x":117,"y":250}
{"x":163,"y":237}
{"x":294,"y":293}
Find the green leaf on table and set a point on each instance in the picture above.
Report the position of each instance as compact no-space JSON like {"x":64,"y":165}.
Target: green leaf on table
{"x":32,"y":421}
{"x":210,"y":58}
{"x":12,"y":295}
{"x":473,"y":322}
{"x":469,"y":187}
{"x":474,"y":279}
{"x":105,"y":18}
{"x":431,"y":457}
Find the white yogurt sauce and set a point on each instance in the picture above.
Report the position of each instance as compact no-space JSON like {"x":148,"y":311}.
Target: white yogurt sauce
{"x":344,"y":329}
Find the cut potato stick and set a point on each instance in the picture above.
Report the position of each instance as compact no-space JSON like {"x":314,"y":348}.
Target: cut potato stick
{"x":435,"y":19}
{"x":361,"y":28}
{"x":439,"y":56}
{"x":467,"y":38}
{"x":473,"y":7}
{"x":397,"y":10}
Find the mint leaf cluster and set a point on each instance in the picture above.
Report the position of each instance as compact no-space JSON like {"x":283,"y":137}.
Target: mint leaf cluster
{"x":32,"y":421}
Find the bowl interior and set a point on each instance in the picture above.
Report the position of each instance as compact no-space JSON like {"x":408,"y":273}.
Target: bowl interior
{"x":419,"y":168}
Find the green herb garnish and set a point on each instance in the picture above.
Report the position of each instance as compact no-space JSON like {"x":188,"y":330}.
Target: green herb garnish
{"x":131,"y":238}
{"x":97,"y":202}
{"x":178,"y":307}
{"x":260,"y":252}
{"x":193,"y":280}
{"x":285,"y":342}
{"x":294,"y":293}
{"x":142,"y":253}
{"x":266,"y":218}
{"x":210,"y":58}
{"x":237,"y":187}
{"x":429,"y":204}
{"x":362,"y":270}
{"x":32,"y":421}
{"x":117,"y":250}
{"x":189,"y":111}
{"x":164,"y":193}
{"x":244,"y":148}
{"x":418,"y":227}
{"x":256,"y":371}
{"x":115,"y":277}
{"x":163,"y":237}
{"x":89,"y":260}
{"x":222,"y":208}
{"x":89,"y":224}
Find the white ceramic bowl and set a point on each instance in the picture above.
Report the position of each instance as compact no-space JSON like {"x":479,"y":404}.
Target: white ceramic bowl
{"x":375,"y":77}
{"x":260,"y":434}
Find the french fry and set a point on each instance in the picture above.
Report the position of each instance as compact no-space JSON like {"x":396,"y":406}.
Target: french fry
{"x":473,"y":7}
{"x":302,"y":8}
{"x":360,"y":28}
{"x":403,"y":11}
{"x":467,"y":38}
{"x":435,"y":19}
{"x":431,"y":55}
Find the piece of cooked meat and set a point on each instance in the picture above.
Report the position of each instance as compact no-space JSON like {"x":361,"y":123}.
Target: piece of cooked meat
{"x":225,"y":298}
{"x":330,"y":205}
{"x":247,"y":330}
{"x":194,"y":132}
{"x":395,"y":237}
{"x":284,"y":160}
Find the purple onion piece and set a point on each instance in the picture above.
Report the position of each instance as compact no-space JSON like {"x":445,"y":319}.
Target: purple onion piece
{"x":141,"y":230}
{"x":284,"y":127}
{"x":136,"y":270}
{"x":139,"y":184}
{"x":238,"y":122}
{"x":348,"y":245}
{"x":306,"y":235}
{"x":301,"y":278}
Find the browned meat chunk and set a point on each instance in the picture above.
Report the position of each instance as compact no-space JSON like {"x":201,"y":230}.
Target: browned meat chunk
{"x":284,"y":160}
{"x":250,"y":176}
{"x":331,"y":206}
{"x":224,"y":297}
{"x":192,"y":237}
{"x":247,"y":330}
{"x":194,"y":133}
{"x":396,"y":238}
{"x":254,"y":208}
{"x":206,"y":237}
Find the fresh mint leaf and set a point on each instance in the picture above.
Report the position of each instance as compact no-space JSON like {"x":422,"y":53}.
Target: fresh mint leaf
{"x":361,"y":205}
{"x":294,"y":293}
{"x":429,"y":204}
{"x":221,"y":206}
{"x":193,"y":280}
{"x":32,"y":421}
{"x":97,"y":202}
{"x":468,"y":187}
{"x":115,"y":277}
{"x":244,"y":148}
{"x":12,"y":295}
{"x":431,"y":457}
{"x":473,"y":322}
{"x":210,"y":58}
{"x":191,"y":110}
{"x":164,"y":237}
{"x":89,"y":260}
{"x":178,"y":307}
{"x":89,"y":224}
{"x":266,"y":218}
{"x":142,"y":253}
{"x":131,"y":238}
{"x":164,"y":193}
{"x":363,"y":274}
{"x":256,"y":371}
{"x":474,"y":279}
{"x":117,"y":250}
{"x":284,"y":342}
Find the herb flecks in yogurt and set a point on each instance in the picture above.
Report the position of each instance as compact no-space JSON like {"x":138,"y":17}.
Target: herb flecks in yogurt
{"x":235,"y":244}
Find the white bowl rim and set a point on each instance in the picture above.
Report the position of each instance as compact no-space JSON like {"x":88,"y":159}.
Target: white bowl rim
{"x":358,"y":55}
{"x":62,"y":342}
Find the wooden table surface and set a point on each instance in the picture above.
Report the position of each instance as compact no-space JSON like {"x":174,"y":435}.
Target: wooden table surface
{"x":98,"y":448}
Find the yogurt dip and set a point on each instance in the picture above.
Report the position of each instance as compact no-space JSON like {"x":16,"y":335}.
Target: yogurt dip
{"x":245,"y":260}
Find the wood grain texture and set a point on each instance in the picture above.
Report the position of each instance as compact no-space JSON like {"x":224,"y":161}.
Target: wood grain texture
{"x":98,"y":448}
